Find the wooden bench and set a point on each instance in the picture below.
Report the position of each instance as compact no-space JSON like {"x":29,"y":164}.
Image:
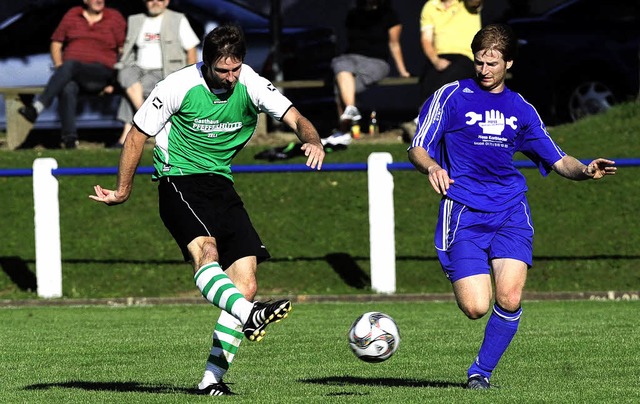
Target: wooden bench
{"x":300,"y":84}
{"x":18,"y":127}
{"x":387,"y":81}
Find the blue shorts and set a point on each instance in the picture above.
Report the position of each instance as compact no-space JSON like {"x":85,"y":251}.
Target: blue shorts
{"x":467,"y":240}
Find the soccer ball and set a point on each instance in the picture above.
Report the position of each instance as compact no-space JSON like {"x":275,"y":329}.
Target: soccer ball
{"x":374,"y":337}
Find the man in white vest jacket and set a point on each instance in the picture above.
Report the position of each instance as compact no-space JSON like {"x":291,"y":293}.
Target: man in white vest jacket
{"x":158,"y":43}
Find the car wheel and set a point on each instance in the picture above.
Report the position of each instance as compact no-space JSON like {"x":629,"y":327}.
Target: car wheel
{"x":589,"y":98}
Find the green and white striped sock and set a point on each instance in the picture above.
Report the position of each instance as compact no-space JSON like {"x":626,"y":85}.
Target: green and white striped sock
{"x":218,"y":289}
{"x":227,"y":336}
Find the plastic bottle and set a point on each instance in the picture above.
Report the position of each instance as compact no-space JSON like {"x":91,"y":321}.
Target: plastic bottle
{"x":355,"y":129}
{"x":373,"y":124}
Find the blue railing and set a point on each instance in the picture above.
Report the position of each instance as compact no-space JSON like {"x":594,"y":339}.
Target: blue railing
{"x":264,"y":168}
{"x":381,"y":214}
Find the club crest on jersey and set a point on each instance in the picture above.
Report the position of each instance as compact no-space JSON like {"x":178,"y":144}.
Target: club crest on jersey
{"x":156,"y":103}
{"x":493,"y":122}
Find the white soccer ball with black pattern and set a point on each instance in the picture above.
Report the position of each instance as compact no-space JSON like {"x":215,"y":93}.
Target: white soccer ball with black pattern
{"x":374,"y":337}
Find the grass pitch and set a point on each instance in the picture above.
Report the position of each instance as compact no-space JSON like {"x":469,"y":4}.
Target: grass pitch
{"x":565,"y":352}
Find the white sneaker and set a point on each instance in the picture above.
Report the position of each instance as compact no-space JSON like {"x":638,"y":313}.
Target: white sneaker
{"x":350,"y":113}
{"x":338,"y":138}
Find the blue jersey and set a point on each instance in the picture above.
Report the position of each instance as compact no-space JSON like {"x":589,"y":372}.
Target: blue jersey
{"x":474,"y":134}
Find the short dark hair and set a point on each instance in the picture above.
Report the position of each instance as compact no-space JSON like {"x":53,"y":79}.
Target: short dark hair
{"x":226,"y":40}
{"x":498,"y":37}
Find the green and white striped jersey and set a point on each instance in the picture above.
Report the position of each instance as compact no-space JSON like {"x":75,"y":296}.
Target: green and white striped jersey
{"x":198,"y":131}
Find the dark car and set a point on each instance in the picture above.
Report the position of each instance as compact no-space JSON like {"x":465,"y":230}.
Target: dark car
{"x":579,"y":58}
{"x":306,"y":51}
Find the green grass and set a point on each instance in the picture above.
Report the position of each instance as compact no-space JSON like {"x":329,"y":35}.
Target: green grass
{"x":316,"y":225}
{"x":564,"y":352}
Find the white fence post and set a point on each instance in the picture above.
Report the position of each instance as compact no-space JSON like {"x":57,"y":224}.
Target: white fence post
{"x":381,"y":224}
{"x":47,"y":228}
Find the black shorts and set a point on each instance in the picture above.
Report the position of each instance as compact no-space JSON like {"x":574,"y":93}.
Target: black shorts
{"x":208,"y":205}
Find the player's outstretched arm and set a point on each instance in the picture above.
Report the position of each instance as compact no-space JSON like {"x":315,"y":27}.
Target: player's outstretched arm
{"x":129,"y":160}
{"x":571,"y":168}
{"x":308,"y":135}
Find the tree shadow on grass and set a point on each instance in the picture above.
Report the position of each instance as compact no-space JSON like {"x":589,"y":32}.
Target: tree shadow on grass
{"x":348,"y":269}
{"x":346,"y":381}
{"x":17,"y":270}
{"x":121,"y":387}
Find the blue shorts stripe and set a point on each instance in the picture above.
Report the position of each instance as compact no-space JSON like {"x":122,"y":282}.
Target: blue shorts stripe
{"x":467,"y":240}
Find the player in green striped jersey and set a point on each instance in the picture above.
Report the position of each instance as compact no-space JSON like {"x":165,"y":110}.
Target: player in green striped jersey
{"x":201,"y":117}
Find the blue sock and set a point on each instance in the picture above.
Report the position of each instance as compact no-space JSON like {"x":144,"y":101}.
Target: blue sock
{"x":499,"y":332}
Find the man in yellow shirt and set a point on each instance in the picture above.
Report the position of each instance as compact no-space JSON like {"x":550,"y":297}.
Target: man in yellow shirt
{"x":446,"y":30}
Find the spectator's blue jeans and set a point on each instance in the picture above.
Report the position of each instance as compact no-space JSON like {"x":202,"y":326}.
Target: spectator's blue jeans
{"x":67,"y":82}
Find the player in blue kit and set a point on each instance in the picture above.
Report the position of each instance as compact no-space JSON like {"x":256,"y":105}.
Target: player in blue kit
{"x":467,"y":135}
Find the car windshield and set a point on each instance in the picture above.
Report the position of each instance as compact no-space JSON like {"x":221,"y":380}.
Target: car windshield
{"x":10,"y":20}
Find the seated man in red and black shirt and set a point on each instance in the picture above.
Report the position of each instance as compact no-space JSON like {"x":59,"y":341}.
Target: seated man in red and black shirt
{"x":84,"y":48}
